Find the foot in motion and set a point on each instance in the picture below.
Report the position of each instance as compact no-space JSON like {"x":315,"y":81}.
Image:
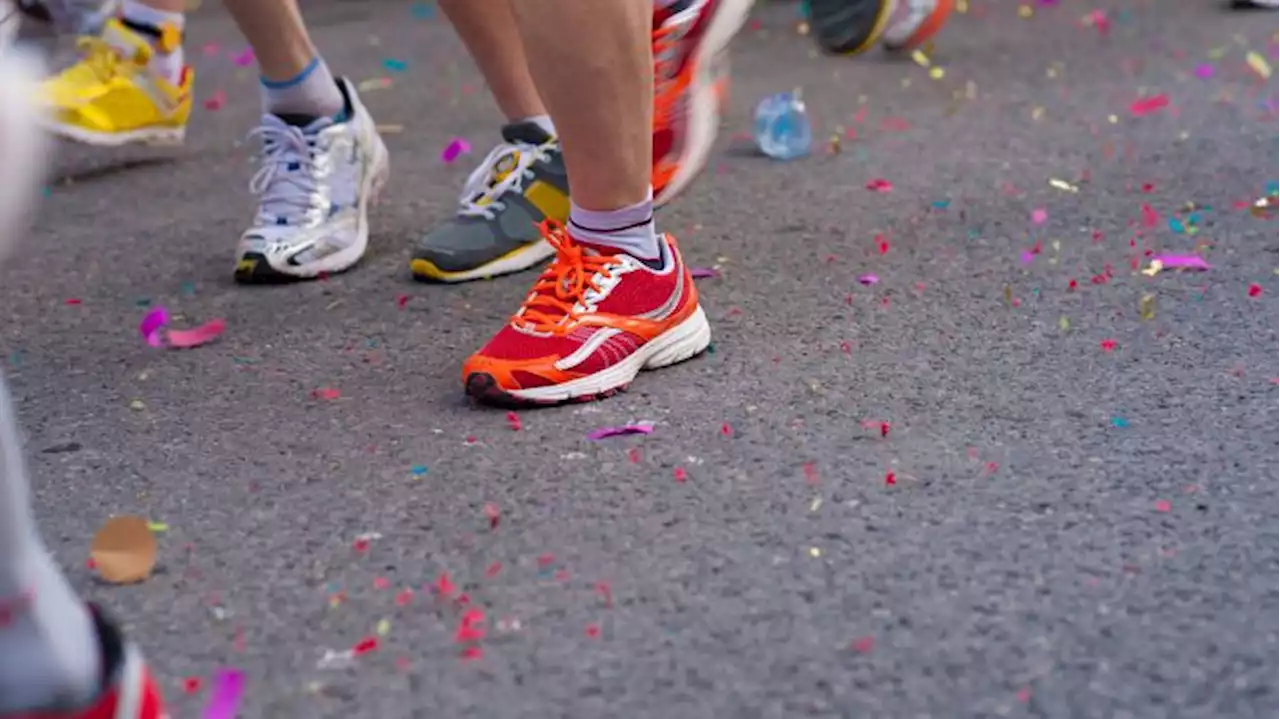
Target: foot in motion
{"x":690,"y":79}
{"x":1255,"y":4}
{"x":915,"y":22}
{"x":593,"y":320}
{"x":316,"y":180}
{"x":520,"y":184}
{"x":129,"y":86}
{"x":849,"y":26}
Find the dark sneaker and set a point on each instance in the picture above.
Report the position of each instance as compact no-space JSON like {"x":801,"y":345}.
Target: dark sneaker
{"x":520,"y":184}
{"x":848,"y":26}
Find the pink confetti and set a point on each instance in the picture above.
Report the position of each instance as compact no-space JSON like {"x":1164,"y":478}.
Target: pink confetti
{"x":216,"y":101}
{"x":1148,"y":105}
{"x":703,"y":272}
{"x":1255,"y":289}
{"x":606,"y":432}
{"x":1205,"y":71}
{"x":224,"y":703}
{"x":880,"y":184}
{"x":244,"y":58}
{"x":868,"y":279}
{"x":1039,"y":215}
{"x":456,"y":148}
{"x":326,"y":393}
{"x":151,"y":324}
{"x":202,"y":335}
{"x":1182,"y":262}
{"x":1163,"y":505}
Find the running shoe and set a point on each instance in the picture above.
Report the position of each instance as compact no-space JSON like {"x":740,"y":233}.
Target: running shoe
{"x":591,"y":323}
{"x":111,"y":97}
{"x":1255,"y":4}
{"x":127,"y":690}
{"x":315,"y":182}
{"x":915,"y":22}
{"x":849,"y":26}
{"x":82,"y":17}
{"x":688,"y":38}
{"x":520,"y":184}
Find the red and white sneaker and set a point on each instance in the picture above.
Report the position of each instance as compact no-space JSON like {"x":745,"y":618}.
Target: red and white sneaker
{"x":689,"y":81}
{"x":590,"y":324}
{"x":128,"y":689}
{"x":915,"y":22}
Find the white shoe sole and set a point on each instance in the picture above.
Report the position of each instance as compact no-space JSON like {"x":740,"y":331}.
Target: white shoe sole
{"x":159,"y":137}
{"x":704,"y":104}
{"x":685,"y":340}
{"x":517,"y":260}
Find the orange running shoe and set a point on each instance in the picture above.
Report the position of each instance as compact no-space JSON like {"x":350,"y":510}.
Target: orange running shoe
{"x":591,"y":322}
{"x":915,"y":22}
{"x":128,"y":689}
{"x":688,"y":38}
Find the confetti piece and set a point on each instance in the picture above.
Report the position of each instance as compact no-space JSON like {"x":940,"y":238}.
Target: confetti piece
{"x":1163,"y":505}
{"x":1149,"y":105}
{"x":202,"y":335}
{"x":224,"y":701}
{"x":864,"y":645}
{"x":1062,"y":185}
{"x":1204,"y":71}
{"x":1147,"y":306}
{"x":157,"y":526}
{"x":1258,"y":64}
{"x":456,"y":148}
{"x":679,"y":474}
{"x":1119,"y":422}
{"x":1255,"y":289}
{"x":191,"y":685}
{"x":393,"y":65}
{"x":216,"y":101}
{"x":868,"y":279}
{"x":513,"y":421}
{"x":1182,"y":262}
{"x":326,"y":393}
{"x":1107,"y":345}
{"x":606,"y":432}
{"x":890,"y":478}
{"x":151,"y":324}
{"x":880,"y":184}
{"x":1039,"y":215}
{"x":124,"y":550}
{"x":244,"y":58}
{"x":703,"y":272}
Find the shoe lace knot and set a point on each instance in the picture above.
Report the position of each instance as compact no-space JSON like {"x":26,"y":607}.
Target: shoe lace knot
{"x":287,"y":182}
{"x":505,"y":169}
{"x":575,"y":281}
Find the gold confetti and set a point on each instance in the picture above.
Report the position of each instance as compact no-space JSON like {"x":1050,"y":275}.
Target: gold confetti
{"x":1147,"y":306}
{"x":1258,"y":64}
{"x":920,"y":58}
{"x":1112,"y":119}
{"x":137,"y":405}
{"x":937,"y":73}
{"x":384,"y":627}
{"x":1037,"y":112}
{"x":1008,"y":295}
{"x":157,"y":526}
{"x":1154,"y":269}
{"x":816,"y":504}
{"x":1064,"y":324}
{"x":815,"y":552}
{"x":1063,"y":185}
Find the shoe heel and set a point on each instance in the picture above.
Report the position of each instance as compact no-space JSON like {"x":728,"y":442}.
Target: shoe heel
{"x":687,"y":339}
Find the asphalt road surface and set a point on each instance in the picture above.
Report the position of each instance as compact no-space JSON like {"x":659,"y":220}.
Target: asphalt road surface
{"x":1073,"y":512}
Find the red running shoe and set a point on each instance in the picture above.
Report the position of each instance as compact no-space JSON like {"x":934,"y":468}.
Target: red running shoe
{"x":128,"y":689}
{"x":591,"y":322}
{"x":689,"y":37}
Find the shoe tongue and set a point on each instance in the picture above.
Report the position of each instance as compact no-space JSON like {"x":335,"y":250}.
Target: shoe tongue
{"x":124,"y":40}
{"x":527,"y":132}
{"x":310,"y":124}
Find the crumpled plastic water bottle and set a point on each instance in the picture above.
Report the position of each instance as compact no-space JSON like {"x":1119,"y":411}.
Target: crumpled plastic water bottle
{"x":783,"y":130}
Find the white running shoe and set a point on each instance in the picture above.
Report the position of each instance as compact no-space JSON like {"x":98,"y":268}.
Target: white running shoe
{"x":315,"y":185}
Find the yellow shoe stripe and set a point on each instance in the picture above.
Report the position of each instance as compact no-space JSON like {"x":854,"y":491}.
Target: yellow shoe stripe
{"x":549,"y":200}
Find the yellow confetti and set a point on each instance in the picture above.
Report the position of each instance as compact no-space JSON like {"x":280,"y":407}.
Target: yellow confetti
{"x":1154,"y":269}
{"x":1063,"y":185}
{"x":815,"y":552}
{"x":377,"y":83}
{"x":137,"y":405}
{"x":1025,"y":11}
{"x":1008,"y":295}
{"x":1258,"y":64}
{"x":1064,"y":324}
{"x":816,"y":504}
{"x":157,"y":526}
{"x":920,"y":58}
{"x":937,"y":73}
{"x":384,"y":627}
{"x":1147,"y":306}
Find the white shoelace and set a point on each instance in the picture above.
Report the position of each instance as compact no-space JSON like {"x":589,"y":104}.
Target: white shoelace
{"x":480,"y":198}
{"x":285,"y":193}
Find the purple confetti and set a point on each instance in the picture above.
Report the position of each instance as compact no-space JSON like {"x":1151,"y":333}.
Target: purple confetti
{"x":703,"y":272}
{"x":244,"y":59}
{"x":224,"y":703}
{"x":868,"y":280}
{"x":606,"y":432}
{"x":1182,"y":262}
{"x":151,"y":324}
{"x":1205,"y":71}
{"x":1028,"y":257}
{"x":456,"y":148}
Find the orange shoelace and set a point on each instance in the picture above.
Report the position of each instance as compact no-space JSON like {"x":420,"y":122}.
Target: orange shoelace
{"x":563,"y":284}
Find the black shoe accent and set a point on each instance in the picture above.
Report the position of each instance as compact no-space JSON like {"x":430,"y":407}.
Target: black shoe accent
{"x":253,"y":269}
{"x":847,"y":26}
{"x":530,"y":133}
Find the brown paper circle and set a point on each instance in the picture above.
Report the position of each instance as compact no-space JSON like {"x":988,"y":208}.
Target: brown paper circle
{"x":124,"y":550}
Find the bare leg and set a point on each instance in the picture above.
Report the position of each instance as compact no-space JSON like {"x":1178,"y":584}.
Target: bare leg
{"x":488,"y":28}
{"x":294,"y":78}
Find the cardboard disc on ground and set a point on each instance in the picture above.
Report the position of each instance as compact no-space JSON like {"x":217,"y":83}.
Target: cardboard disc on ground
{"x":124,"y":550}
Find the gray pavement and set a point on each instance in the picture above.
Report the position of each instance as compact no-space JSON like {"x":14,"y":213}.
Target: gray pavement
{"x":1072,"y":532}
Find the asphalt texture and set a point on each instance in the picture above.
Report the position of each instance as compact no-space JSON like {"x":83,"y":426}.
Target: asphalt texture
{"x":1014,"y":476}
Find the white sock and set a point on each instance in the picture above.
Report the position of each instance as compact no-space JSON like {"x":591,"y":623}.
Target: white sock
{"x":629,"y":229}
{"x":312,"y":92}
{"x":542,"y":121}
{"x":168,"y":65}
{"x":48,"y":647}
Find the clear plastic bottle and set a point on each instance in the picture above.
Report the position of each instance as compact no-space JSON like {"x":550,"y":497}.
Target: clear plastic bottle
{"x":783,"y":130}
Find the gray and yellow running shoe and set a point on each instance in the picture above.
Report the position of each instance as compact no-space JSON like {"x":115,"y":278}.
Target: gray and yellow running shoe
{"x":521,"y":183}
{"x":849,"y":26}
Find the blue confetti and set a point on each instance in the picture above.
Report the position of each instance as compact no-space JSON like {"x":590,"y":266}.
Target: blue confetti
{"x":1119,"y":422}
{"x":394,"y":65}
{"x":419,"y":470}
{"x":424,"y":11}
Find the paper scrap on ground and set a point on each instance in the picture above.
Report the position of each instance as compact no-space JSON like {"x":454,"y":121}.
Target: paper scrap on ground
{"x":224,"y":702}
{"x":701,"y":272}
{"x":1182,"y":262}
{"x":154,"y":322}
{"x":124,"y":550}
{"x":606,"y":432}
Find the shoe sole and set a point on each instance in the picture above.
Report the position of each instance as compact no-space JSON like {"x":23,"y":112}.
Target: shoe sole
{"x":928,"y":28}
{"x":883,"y":13}
{"x":158,"y":137}
{"x":682,"y":342}
{"x":704,"y":115}
{"x":257,"y":269}
{"x":517,"y":260}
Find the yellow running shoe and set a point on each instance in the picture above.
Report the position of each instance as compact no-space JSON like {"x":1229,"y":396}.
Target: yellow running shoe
{"x":111,"y":97}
